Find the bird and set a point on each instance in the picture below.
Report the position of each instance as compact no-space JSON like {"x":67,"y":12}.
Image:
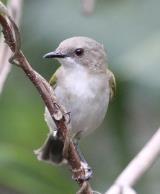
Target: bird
{"x":84,"y":85}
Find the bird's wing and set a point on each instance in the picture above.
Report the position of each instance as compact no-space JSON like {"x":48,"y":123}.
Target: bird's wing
{"x":112,"y":83}
{"x":53,"y":79}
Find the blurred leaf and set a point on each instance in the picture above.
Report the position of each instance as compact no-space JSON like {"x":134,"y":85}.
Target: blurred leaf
{"x":19,"y":170}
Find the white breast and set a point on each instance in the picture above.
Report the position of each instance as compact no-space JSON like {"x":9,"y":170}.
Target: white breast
{"x":85,"y":96}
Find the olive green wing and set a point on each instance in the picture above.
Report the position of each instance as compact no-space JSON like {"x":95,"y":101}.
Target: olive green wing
{"x":53,"y":79}
{"x":112,"y":84}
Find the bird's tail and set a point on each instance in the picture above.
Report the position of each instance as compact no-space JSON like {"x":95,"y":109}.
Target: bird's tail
{"x":51,"y":151}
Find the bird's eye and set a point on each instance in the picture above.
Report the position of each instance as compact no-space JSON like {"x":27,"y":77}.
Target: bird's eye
{"x":79,"y":52}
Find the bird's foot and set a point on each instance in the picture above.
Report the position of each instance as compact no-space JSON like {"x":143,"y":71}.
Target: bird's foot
{"x":87,"y":173}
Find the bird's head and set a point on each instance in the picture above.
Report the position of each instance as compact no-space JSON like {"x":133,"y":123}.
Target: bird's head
{"x":80,"y":51}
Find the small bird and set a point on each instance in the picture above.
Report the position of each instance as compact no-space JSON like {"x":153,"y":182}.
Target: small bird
{"x":84,"y":85}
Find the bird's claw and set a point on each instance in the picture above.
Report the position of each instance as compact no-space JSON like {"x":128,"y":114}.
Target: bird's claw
{"x":87,"y":173}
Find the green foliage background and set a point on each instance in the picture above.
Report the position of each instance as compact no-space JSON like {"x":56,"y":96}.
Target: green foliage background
{"x":130,"y":31}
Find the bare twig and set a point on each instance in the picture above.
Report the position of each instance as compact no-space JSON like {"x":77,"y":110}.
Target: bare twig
{"x":137,"y":167}
{"x":14,"y":7}
{"x":57,"y":112}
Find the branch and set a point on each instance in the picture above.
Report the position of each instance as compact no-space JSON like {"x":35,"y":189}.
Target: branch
{"x":14,"y":7}
{"x":57,"y":112}
{"x":137,"y":167}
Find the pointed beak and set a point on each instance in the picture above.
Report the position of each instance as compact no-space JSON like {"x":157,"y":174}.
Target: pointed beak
{"x":54,"y":54}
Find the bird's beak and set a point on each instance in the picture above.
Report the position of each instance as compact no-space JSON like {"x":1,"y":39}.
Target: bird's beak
{"x":54,"y":54}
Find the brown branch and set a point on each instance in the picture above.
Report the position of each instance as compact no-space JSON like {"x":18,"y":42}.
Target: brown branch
{"x":57,"y":112}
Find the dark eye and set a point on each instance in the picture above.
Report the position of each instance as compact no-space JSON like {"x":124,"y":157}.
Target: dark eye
{"x":79,"y":52}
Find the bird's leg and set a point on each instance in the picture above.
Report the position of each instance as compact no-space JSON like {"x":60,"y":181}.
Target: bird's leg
{"x":88,"y":171}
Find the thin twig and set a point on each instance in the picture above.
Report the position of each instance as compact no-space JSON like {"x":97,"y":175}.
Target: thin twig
{"x":137,"y":167}
{"x":57,"y":112}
